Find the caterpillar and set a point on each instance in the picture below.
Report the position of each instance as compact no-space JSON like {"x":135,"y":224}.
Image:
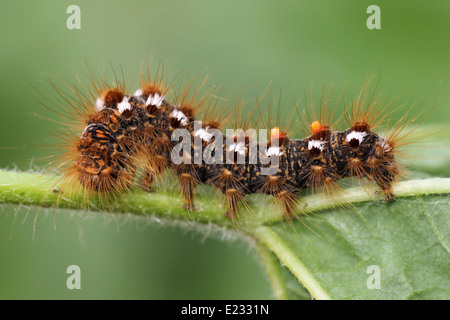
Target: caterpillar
{"x":118,"y":133}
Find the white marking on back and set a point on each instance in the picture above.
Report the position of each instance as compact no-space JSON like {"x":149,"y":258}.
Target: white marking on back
{"x":358,"y":135}
{"x":99,"y":104}
{"x":316,"y":144}
{"x":138,"y":93}
{"x":238,"y":147}
{"x":385,"y":145}
{"x":124,"y":105}
{"x":274,"y":151}
{"x":203,"y":134}
{"x":180,"y":116}
{"x":155,"y":100}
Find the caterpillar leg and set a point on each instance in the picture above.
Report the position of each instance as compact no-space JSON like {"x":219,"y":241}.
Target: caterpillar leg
{"x":155,"y":164}
{"x":147,"y":181}
{"x":283,"y":192}
{"x":287,"y":201}
{"x":188,"y":179}
{"x":228,"y":182}
{"x":188,"y":184}
{"x":233,"y":198}
{"x":384,"y":177}
{"x":385,"y":187}
{"x":388,"y":194}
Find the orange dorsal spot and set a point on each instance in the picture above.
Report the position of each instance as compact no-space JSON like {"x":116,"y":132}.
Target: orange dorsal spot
{"x":275,"y":133}
{"x":277,"y":136}
{"x":316,"y":126}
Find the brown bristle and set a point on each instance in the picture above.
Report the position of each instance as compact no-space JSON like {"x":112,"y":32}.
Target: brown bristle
{"x":174,"y":123}
{"x":361,"y":126}
{"x":212,"y":124}
{"x":152,"y":109}
{"x":238,"y":138}
{"x":108,"y":117}
{"x":322,"y":134}
{"x":277,"y":141}
{"x":318,"y":115}
{"x":187,"y":110}
{"x":112,"y":96}
{"x":233,"y":198}
{"x":150,"y":89}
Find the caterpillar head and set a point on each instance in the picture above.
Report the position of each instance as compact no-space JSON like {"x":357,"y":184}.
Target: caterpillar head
{"x":370,"y":155}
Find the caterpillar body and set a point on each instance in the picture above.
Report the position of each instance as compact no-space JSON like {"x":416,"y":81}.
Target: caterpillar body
{"x":120,"y":128}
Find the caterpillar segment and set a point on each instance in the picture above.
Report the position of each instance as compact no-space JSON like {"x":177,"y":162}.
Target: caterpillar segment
{"x":109,"y":146}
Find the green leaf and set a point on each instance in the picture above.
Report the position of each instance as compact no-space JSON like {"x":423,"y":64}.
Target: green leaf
{"x":408,"y":240}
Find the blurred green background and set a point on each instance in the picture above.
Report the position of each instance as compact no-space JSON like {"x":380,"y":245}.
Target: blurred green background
{"x":244,"y":43}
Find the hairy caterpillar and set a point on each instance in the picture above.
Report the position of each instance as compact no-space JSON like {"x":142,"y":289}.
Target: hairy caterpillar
{"x":119,"y":133}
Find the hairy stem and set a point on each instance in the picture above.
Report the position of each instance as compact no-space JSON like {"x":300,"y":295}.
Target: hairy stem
{"x":44,"y":190}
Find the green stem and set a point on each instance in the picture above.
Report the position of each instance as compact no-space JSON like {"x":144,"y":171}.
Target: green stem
{"x":350,"y":196}
{"x":43,"y":190}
